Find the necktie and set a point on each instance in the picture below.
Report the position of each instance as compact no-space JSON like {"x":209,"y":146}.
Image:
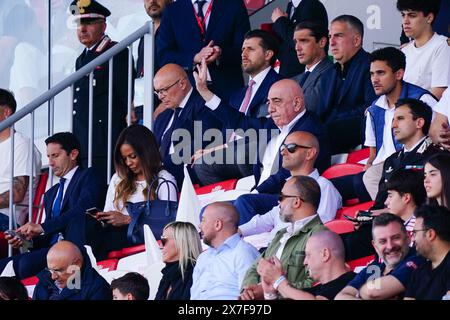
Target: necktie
{"x":289,"y":10}
{"x":167,"y":137}
{"x":305,"y":76}
{"x":200,"y":4}
{"x":247,"y":97}
{"x":56,"y":211}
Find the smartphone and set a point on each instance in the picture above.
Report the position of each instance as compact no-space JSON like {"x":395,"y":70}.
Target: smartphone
{"x":14,"y":234}
{"x":93,"y":211}
{"x":350,"y":218}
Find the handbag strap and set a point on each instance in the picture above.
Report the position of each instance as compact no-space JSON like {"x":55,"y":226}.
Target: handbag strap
{"x":164,"y":180}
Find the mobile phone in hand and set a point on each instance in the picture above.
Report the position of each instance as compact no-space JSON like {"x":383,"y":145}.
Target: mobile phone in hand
{"x":93,"y":212}
{"x":14,"y":234}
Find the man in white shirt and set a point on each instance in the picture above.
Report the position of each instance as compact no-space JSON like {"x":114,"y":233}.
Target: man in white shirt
{"x":22,"y":169}
{"x":428,"y":55}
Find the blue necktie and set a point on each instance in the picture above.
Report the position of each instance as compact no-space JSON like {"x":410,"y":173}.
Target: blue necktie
{"x":56,"y":211}
{"x":303,"y":80}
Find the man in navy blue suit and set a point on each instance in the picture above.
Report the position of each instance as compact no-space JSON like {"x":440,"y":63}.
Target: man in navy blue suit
{"x":212,"y":29}
{"x":179,"y":129}
{"x":346,"y":89}
{"x":78,"y":190}
{"x":287,"y":114}
{"x":259,"y":52}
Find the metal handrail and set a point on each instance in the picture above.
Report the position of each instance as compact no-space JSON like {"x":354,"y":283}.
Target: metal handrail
{"x":67,"y":82}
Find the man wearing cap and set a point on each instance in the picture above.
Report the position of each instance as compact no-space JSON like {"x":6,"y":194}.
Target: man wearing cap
{"x":91,"y":24}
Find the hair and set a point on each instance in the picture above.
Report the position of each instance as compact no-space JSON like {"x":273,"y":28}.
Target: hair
{"x":436,"y":218}
{"x":267,"y":42}
{"x":441,"y":161}
{"x":12,"y":288}
{"x":425,"y":6}
{"x":142,"y":140}
{"x":67,"y":141}
{"x":187,"y":242}
{"x":408,"y":181}
{"x":353,"y":21}
{"x":385,"y":219}
{"x":317,"y":30}
{"x":133,"y":283}
{"x":393,"y":57}
{"x":7,"y":100}
{"x":308,"y":189}
{"x":418,"y":109}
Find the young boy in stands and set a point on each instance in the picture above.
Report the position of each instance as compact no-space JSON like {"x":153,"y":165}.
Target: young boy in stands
{"x":131,"y":286}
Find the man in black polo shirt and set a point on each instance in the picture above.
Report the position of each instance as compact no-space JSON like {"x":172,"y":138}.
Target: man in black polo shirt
{"x":431,"y":281}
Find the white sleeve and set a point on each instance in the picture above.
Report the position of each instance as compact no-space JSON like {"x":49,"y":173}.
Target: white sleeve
{"x":429,"y":100}
{"x":330,"y":200}
{"x":370,"y":135}
{"x":109,"y":202}
{"x":22,"y":157}
{"x":213,"y":104}
{"x":440,"y":73}
{"x":260,"y":223}
{"x":443,"y":106}
{"x":167,"y":191}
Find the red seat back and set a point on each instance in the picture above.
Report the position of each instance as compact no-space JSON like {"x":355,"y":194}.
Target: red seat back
{"x":38,"y":197}
{"x":361,"y":262}
{"x":110,"y":264}
{"x":357,"y":156}
{"x":124,"y":252}
{"x":223,"y":185}
{"x":342,"y":169}
{"x":340,"y":226}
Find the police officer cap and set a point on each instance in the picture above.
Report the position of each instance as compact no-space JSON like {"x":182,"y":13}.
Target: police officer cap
{"x":88,"y":10}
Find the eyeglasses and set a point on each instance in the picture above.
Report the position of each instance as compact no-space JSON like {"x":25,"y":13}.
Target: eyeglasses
{"x":281,"y":197}
{"x":413,"y":232}
{"x":57,"y":271}
{"x":164,"y":240}
{"x":164,"y":91}
{"x":292,"y":147}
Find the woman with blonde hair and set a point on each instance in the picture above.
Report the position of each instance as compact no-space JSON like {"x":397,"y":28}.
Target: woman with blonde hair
{"x":180,"y":246}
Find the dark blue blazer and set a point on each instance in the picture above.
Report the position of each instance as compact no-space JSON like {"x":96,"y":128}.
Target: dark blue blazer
{"x":194,"y":110}
{"x":179,"y":40}
{"x":308,"y":122}
{"x":344,"y":99}
{"x":85,"y":190}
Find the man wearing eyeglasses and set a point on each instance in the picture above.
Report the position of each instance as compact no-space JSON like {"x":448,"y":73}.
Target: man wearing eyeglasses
{"x":432,"y":237}
{"x":299,"y":152}
{"x":299,"y":201}
{"x":184,"y":111}
{"x":90,"y":17}
{"x":389,"y":277}
{"x":69,"y":276}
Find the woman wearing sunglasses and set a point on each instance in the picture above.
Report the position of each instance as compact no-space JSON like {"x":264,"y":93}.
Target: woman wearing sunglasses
{"x":180,"y":248}
{"x":437,"y":179}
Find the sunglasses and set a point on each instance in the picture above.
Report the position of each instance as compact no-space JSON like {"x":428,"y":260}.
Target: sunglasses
{"x":281,"y":197}
{"x":164,"y":240}
{"x":292,"y":147}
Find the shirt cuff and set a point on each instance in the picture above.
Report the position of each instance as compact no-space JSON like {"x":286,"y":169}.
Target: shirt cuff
{"x":213,"y":104}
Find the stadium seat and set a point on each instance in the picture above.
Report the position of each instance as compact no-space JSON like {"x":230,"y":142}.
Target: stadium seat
{"x":223,"y":185}
{"x":351,"y":211}
{"x":361,"y":262}
{"x":343,"y":169}
{"x":38,"y":198}
{"x":110,"y":264}
{"x":356,"y":156}
{"x":340,"y":226}
{"x":124,"y":252}
{"x":254,"y":5}
{"x":31,"y":281}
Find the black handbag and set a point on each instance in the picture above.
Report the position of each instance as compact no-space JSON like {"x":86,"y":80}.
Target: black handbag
{"x":155,"y":213}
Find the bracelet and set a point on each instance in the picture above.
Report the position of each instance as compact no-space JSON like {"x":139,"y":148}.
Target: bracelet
{"x":277,"y":282}
{"x":270,"y":296}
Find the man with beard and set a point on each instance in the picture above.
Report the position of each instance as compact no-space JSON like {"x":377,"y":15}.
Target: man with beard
{"x":299,"y":201}
{"x":432,"y":237}
{"x":220,"y":270}
{"x":388,"y":277}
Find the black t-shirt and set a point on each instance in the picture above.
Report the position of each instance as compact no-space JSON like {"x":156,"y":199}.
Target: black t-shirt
{"x":430,"y":284}
{"x":330,"y":289}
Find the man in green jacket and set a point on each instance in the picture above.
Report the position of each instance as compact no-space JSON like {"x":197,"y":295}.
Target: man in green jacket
{"x":299,"y":200}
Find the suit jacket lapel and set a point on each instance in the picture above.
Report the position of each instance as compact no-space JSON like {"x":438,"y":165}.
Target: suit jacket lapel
{"x":73,"y":182}
{"x":217,"y":11}
{"x":315,"y":73}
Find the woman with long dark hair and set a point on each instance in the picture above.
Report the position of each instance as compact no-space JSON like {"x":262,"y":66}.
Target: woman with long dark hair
{"x":437,"y":179}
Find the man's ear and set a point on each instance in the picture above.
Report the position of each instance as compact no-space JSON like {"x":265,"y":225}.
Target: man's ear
{"x":74,"y":154}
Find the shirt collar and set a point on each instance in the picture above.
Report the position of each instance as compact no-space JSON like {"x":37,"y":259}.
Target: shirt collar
{"x":295,"y":3}
{"x":314,"y":66}
{"x":299,"y":224}
{"x":231,"y":242}
{"x":69,"y":175}
{"x":289,"y":126}
{"x":415,"y":146}
{"x":185,"y":99}
{"x":260,"y":76}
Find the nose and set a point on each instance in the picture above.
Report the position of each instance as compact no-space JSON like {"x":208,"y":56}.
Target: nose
{"x":54,"y":275}
{"x":128,"y":162}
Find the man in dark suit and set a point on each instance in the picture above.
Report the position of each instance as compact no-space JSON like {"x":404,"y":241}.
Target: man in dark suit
{"x":310,"y":41}
{"x":184,"y":119}
{"x":215,"y":32}
{"x":78,"y":189}
{"x":91,"y":33}
{"x":287,"y":114}
{"x":284,"y":24}
{"x":346,"y":89}
{"x":259,"y":52}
